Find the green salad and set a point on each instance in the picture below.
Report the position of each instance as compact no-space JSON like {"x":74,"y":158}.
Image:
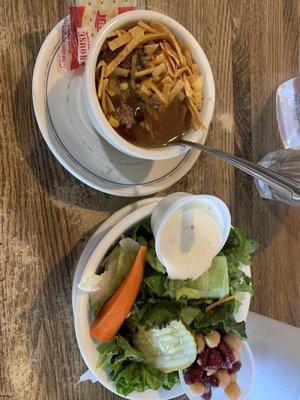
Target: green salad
{"x":157,"y":339}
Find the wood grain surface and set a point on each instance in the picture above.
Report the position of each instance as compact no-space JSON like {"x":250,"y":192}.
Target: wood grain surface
{"x":47,"y":215}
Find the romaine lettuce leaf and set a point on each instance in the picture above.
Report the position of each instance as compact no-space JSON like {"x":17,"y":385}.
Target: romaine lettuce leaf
{"x":188,"y":314}
{"x":142,"y":233}
{"x":154,"y":313}
{"x":242,"y":284}
{"x":214,"y":283}
{"x":221,"y":319}
{"x":169,"y":349}
{"x":153,"y":260}
{"x":116,"y":266}
{"x":238,"y":250}
{"x":127,"y":369}
{"x":156,"y":284}
{"x":117,"y":347}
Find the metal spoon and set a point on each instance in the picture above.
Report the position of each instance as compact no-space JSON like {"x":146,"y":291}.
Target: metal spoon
{"x":285,"y":186}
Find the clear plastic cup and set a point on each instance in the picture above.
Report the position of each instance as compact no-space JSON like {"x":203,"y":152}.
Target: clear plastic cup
{"x":288,"y":112}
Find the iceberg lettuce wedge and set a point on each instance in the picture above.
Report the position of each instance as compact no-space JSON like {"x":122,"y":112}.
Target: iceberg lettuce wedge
{"x":168,"y":349}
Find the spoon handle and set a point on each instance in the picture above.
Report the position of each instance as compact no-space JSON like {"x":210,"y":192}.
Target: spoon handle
{"x":285,"y":186}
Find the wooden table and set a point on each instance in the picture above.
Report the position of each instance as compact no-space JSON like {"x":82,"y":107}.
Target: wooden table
{"x":47,"y":215}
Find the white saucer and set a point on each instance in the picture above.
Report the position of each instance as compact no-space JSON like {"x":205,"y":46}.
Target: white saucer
{"x":64,"y":124}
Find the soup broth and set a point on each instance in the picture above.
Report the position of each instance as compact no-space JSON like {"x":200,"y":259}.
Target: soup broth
{"x":148,"y":86}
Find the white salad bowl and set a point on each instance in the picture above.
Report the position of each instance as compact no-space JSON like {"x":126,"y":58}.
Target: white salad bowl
{"x":94,"y":109}
{"x":87,"y":346}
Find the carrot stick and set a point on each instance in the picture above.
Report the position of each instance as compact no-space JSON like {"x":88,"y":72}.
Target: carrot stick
{"x":116,"y":309}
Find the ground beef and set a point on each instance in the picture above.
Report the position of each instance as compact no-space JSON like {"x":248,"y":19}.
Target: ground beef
{"x":106,"y":54}
{"x":126,"y":63}
{"x":144,"y":61}
{"x":125,"y":114}
{"x":154,"y":102}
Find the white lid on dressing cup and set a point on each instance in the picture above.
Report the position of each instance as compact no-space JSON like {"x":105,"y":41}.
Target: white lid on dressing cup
{"x":189,"y":230}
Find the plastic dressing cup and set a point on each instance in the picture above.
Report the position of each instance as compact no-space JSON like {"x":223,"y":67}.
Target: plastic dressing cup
{"x":245,"y":378}
{"x":189,"y":230}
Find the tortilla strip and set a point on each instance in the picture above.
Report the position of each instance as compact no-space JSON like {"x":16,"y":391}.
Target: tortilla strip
{"x":197,"y":83}
{"x":161,"y":68}
{"x":168,"y":60}
{"x":166,"y":54}
{"x":171,"y":53}
{"x":100,"y":86}
{"x":187,"y":54}
{"x":119,"y":41}
{"x":166,"y":89}
{"x":168,"y":79}
{"x":144,"y":72}
{"x":99,"y":65}
{"x":135,"y":31}
{"x":150,"y":48}
{"x":120,"y":32}
{"x":124,"y":53}
{"x":187,"y":87}
{"x":103,"y":95}
{"x":147,"y":27}
{"x":158,"y":93}
{"x":198,"y":100}
{"x":181,"y":71}
{"x":169,"y":67}
{"x":121,"y":72}
{"x":189,"y":71}
{"x":172,"y":62}
{"x":145,"y":90}
{"x":153,"y":37}
{"x":159,"y":59}
{"x":197,"y":121}
{"x":133,"y":70}
{"x":176,"y":89}
{"x":195,"y":69}
{"x":110,"y":91}
{"x":109,"y":104}
{"x":192,"y":78}
{"x":113,"y":34}
{"x":162,"y":28}
{"x":113,"y":85}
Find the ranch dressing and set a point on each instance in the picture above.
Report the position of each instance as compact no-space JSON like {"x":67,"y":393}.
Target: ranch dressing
{"x":190,"y":239}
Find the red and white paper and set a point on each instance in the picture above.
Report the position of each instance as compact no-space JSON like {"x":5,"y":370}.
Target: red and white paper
{"x":85,"y":19}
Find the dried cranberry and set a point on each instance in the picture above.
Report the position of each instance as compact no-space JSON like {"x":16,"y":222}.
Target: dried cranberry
{"x":139,"y":114}
{"x":211,"y":380}
{"x":193,"y":374}
{"x":203,"y":357}
{"x":126,"y":133}
{"x":207,"y":393}
{"x":235,"y":368}
{"x":214,"y":360}
{"x":227,"y":355}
